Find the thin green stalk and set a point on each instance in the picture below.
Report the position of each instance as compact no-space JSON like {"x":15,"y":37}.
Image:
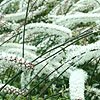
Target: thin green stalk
{"x":24,"y":27}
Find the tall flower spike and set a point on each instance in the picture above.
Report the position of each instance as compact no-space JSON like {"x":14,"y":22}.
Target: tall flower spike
{"x":51,"y":29}
{"x":21,"y":15}
{"x":76,"y":84}
{"x":14,"y":61}
{"x":84,"y":53}
{"x":74,"y":19}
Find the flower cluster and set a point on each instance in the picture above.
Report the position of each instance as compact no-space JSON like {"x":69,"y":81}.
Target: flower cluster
{"x":70,"y":23}
{"x":11,"y":89}
{"x":16,"y":61}
{"x":77,"y":84}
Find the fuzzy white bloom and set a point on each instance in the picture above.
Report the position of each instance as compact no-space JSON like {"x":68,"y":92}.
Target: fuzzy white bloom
{"x":8,"y":60}
{"x":15,"y":45}
{"x":82,"y":8}
{"x":21,"y":15}
{"x":85,"y":2}
{"x":16,"y":49}
{"x":48,"y":28}
{"x":16,"y":16}
{"x":84,"y":53}
{"x":74,"y":19}
{"x":77,"y":84}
